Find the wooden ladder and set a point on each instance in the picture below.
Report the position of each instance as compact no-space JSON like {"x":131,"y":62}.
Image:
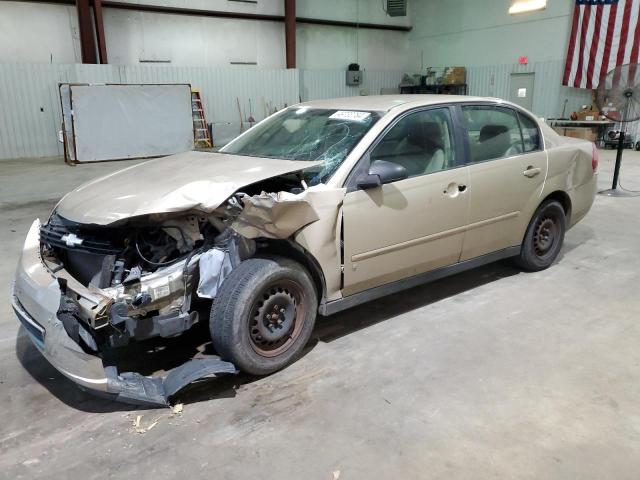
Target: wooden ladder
{"x":201,"y":136}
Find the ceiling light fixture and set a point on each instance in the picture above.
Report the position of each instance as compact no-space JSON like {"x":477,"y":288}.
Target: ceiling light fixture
{"x":523,"y":6}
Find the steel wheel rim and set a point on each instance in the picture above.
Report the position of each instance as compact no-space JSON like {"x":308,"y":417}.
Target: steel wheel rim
{"x":276,"y":318}
{"x":545,"y":236}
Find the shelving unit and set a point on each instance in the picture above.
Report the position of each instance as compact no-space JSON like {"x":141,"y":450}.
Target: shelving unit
{"x":443,"y":89}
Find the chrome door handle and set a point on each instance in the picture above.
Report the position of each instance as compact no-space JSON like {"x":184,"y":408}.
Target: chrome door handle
{"x":454,"y":189}
{"x":531,"y":172}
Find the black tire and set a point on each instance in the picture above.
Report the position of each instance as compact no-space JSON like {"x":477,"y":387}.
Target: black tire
{"x":638,"y":146}
{"x":543,"y":239}
{"x":263,"y":314}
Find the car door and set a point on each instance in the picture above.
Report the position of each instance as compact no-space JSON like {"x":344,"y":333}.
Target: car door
{"x":507,"y":170}
{"x":413,"y":225}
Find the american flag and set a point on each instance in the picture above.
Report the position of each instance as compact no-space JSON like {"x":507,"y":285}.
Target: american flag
{"x":605,"y":34}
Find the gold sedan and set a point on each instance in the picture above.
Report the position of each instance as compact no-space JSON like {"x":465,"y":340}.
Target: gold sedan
{"x":318,"y":208}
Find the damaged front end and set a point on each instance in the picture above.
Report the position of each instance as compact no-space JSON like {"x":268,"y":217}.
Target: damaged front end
{"x":136,"y":279}
{"x":85,"y":293}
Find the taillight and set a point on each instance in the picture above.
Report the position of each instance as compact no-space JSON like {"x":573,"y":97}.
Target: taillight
{"x":594,"y":158}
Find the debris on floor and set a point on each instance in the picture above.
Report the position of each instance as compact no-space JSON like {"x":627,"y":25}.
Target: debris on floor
{"x":138,"y":427}
{"x":177,"y":409}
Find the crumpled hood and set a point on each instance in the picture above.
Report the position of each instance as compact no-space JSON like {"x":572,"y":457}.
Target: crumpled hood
{"x":186,"y":181}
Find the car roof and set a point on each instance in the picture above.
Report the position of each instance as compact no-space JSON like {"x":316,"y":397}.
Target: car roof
{"x":384,"y":103}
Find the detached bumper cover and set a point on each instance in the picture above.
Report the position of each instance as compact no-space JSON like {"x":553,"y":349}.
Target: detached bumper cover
{"x":131,"y":387}
{"x":35,"y":298}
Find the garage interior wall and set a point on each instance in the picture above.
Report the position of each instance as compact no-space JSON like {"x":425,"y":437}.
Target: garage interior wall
{"x":41,"y":32}
{"x":482,"y":36}
{"x":30,"y":116}
{"x":39,"y":47}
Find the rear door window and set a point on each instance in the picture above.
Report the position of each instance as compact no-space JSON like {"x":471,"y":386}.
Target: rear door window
{"x":494,"y":132}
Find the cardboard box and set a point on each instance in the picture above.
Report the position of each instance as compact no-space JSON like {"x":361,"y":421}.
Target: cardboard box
{"x":584,"y":133}
{"x":588,"y":115}
{"x":454,"y":76}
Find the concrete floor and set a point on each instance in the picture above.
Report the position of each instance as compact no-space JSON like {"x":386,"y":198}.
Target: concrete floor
{"x":492,"y":373}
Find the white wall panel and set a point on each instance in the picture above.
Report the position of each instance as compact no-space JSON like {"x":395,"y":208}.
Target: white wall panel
{"x":30,"y":113}
{"x":38,"y":33}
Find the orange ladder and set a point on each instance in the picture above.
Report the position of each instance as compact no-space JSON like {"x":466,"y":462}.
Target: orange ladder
{"x":201,"y":136}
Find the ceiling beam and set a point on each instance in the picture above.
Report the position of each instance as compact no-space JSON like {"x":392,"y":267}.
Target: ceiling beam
{"x":235,"y":15}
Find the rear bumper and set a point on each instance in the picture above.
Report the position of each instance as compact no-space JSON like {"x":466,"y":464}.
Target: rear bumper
{"x":36,"y":299}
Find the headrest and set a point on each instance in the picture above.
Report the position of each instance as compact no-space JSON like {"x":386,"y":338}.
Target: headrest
{"x":433,"y":131}
{"x":489,"y":131}
{"x":426,"y":135}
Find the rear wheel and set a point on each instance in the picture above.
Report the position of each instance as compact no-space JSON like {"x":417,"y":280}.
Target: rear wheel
{"x":544,"y":237}
{"x":263,"y":314}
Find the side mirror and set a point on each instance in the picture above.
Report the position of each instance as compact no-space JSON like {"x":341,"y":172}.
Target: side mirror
{"x":381,"y":172}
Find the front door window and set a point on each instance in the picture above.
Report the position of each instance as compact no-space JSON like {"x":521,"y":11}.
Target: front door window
{"x":421,"y":142}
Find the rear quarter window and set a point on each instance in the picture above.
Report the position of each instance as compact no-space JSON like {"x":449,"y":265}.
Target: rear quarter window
{"x":530,"y":133}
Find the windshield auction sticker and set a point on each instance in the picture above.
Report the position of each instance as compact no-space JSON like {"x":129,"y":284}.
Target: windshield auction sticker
{"x":350,"y":115}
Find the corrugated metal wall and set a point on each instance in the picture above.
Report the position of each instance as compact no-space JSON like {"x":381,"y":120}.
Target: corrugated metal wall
{"x":30,"y":114}
{"x":318,"y":84}
{"x":548,"y":95}
{"x":30,"y":109}
{"x":30,"y":105}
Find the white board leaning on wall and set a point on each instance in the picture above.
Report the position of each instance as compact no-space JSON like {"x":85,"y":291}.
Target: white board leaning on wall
{"x":125,"y":121}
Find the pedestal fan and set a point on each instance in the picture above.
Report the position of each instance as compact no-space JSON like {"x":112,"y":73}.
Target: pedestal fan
{"x":618,"y":98}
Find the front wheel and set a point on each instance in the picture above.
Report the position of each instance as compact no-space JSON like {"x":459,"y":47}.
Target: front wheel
{"x":263,"y":314}
{"x":543,"y":239}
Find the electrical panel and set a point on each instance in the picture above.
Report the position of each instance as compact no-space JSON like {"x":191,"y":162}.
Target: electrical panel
{"x":354,"y":78}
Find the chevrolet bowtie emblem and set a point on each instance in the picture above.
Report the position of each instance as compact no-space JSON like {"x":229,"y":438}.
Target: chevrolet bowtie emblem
{"x":72,"y":240}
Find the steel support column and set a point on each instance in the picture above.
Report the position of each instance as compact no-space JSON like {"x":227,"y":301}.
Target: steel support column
{"x":87,"y":42}
{"x":290,"y":32}
{"x":97,"y":17}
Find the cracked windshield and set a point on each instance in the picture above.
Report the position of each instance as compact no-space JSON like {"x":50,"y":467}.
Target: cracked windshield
{"x":307,"y":134}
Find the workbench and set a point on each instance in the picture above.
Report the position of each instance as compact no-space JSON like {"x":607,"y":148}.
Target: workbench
{"x":601,"y":125}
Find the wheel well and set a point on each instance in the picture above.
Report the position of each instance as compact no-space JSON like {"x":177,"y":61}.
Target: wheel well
{"x":563,"y":199}
{"x":285,"y":248}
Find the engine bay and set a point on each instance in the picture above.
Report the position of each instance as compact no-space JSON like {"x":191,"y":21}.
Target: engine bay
{"x":155,"y":275}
